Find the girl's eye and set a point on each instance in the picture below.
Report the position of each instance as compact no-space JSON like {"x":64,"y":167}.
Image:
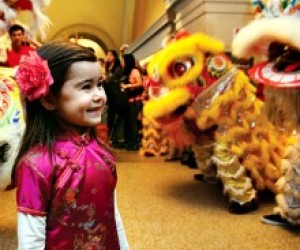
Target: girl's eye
{"x":100,"y":84}
{"x":86,"y":87}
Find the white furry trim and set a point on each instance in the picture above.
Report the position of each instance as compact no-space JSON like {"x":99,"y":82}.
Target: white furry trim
{"x":239,"y":191}
{"x":254,"y":38}
{"x":285,"y":165}
{"x":252,"y":196}
{"x":5,"y":44}
{"x":297,"y":169}
{"x":237,"y":174}
{"x":9,"y":13}
{"x":217,"y":161}
{"x":281,"y":183}
{"x":9,"y":16}
{"x":44,"y":3}
{"x":11,"y":135}
{"x":41,"y":21}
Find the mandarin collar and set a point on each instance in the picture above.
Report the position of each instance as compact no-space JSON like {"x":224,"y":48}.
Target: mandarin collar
{"x":78,"y":138}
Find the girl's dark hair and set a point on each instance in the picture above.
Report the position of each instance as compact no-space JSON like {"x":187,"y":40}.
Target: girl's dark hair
{"x":130,"y":64}
{"x":116,"y":63}
{"x":40,"y":123}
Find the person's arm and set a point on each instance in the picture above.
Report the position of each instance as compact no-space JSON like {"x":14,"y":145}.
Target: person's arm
{"x":31,"y":42}
{"x":135,"y":79}
{"x":120,"y":228}
{"x":31,"y":232}
{"x":116,"y":76}
{"x":34,"y":181}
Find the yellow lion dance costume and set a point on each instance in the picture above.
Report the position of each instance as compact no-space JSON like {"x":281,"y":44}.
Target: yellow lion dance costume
{"x":206,"y":101}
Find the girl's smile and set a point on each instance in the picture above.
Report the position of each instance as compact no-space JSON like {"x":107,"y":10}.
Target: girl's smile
{"x":95,"y":111}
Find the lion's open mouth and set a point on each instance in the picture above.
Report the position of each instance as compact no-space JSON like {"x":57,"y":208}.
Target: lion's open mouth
{"x":285,"y":58}
{"x":282,"y":68}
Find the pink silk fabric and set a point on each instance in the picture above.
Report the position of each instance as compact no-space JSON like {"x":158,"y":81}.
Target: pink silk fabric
{"x":75,"y":192}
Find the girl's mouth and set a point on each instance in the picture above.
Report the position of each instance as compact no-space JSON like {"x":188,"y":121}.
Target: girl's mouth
{"x":97,"y":110}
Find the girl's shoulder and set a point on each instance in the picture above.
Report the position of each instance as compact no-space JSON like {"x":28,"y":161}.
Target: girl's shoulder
{"x":36,"y":154}
{"x":136,"y":71}
{"x":38,"y":161}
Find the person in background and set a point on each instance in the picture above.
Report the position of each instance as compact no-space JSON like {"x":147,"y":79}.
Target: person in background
{"x":65,"y":177}
{"x":102,"y":67}
{"x":20,"y":45}
{"x":133,"y":86}
{"x":122,"y":49}
{"x":116,"y":100}
{"x":102,"y":130}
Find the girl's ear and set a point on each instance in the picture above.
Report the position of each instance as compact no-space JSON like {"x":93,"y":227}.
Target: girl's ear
{"x":48,"y":102}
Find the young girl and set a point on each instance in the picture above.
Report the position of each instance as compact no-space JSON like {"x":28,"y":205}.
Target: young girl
{"x":66,"y":179}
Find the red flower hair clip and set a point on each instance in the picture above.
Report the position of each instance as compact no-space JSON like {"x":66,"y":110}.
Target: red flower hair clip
{"x":33,"y":76}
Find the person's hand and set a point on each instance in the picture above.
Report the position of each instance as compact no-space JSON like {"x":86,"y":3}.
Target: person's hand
{"x":123,"y":48}
{"x":103,"y":77}
{"x":123,"y":86}
{"x":31,"y":42}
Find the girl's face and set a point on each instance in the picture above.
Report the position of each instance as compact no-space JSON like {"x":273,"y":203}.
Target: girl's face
{"x":82,"y":97}
{"x":110,"y":57}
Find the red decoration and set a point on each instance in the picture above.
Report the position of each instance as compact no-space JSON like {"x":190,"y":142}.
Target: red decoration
{"x":33,"y":76}
{"x":23,"y":5}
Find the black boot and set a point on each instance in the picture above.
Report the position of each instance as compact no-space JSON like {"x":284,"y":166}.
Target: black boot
{"x":188,"y":158}
{"x":198,"y":177}
{"x":237,"y":208}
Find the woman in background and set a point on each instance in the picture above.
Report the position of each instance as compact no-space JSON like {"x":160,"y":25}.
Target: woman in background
{"x":133,"y":86}
{"x":116,"y":100}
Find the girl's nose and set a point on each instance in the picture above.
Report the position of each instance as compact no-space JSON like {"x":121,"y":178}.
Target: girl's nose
{"x":99,"y":94}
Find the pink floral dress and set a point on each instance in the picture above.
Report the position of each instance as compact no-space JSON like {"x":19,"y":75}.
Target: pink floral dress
{"x":75,"y":191}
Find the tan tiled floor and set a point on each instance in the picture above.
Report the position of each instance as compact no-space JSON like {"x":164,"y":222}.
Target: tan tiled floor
{"x":163,"y":208}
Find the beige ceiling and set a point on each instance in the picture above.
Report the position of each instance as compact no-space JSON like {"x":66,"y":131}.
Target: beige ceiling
{"x":114,"y":22}
{"x":143,"y":24}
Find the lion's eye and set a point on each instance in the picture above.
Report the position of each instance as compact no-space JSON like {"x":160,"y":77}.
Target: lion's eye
{"x":180,"y":67}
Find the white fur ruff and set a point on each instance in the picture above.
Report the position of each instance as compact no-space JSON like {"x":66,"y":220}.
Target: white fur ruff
{"x":9,"y":16}
{"x":255,"y":38}
{"x":11,"y":135}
